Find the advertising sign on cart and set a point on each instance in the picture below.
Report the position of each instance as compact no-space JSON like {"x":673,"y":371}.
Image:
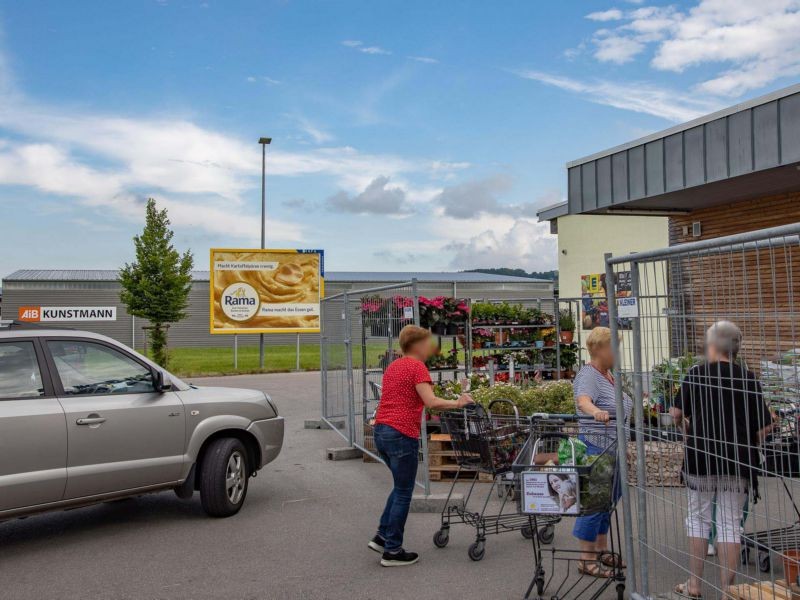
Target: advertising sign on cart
{"x":266,"y":291}
{"x":550,"y":492}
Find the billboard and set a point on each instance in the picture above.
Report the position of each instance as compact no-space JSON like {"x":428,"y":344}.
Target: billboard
{"x":594,"y":302}
{"x":266,"y":291}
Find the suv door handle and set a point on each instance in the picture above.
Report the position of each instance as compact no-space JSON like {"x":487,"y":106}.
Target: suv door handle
{"x":91,"y":421}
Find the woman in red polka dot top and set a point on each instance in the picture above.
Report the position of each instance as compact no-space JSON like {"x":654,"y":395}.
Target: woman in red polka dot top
{"x":407,"y":390}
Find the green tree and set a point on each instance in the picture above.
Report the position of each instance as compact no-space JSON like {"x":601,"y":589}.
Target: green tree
{"x":156,"y":286}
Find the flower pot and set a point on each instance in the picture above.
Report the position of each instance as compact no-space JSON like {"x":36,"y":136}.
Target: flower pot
{"x":550,"y":344}
{"x":451,"y":329}
{"x":439,"y":328}
{"x":476,"y":345}
{"x":791,"y":565}
{"x":539,"y":343}
{"x":567,"y":337}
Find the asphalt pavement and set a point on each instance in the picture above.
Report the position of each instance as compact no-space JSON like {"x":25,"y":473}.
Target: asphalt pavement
{"x":302,"y":534}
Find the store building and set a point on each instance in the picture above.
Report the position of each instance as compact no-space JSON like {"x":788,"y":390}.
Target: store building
{"x":92,"y":297}
{"x":733,"y":171}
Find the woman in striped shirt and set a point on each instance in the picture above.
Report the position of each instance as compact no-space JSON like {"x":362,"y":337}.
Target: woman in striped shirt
{"x":595,"y":397}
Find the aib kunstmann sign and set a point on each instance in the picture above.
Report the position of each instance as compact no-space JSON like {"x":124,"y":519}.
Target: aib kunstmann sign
{"x":49,"y":314}
{"x":266,"y":291}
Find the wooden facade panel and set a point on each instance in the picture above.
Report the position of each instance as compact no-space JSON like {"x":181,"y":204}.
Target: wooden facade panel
{"x":757,"y":289}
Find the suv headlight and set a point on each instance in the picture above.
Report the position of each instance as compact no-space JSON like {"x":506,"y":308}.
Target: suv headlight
{"x":271,"y":404}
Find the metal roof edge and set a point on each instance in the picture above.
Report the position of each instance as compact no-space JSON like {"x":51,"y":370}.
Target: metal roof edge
{"x":746,"y":105}
{"x":548,"y":213}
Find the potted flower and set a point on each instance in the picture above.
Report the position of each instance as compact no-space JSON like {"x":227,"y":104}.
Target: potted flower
{"x":375,"y":315}
{"x":397,"y":312}
{"x":566,"y":323}
{"x":549,"y":337}
{"x":569,"y":358}
{"x":537,"y":338}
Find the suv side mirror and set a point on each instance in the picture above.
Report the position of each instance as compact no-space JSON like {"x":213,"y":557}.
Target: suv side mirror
{"x":159,"y":383}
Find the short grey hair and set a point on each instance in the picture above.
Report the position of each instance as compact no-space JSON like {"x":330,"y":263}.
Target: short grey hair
{"x":726,"y":337}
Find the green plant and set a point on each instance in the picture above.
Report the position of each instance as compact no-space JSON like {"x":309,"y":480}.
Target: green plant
{"x":569,"y":358}
{"x":667,"y":377}
{"x":500,"y":391}
{"x":156,"y":286}
{"x":566,"y":321}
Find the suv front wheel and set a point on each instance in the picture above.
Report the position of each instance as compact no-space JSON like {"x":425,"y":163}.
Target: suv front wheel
{"x":223,"y":477}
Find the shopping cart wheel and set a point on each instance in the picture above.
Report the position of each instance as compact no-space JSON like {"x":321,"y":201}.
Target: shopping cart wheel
{"x":764,"y":563}
{"x":620,"y":591}
{"x":476,"y":551}
{"x":441,"y":537}
{"x":547,"y":533}
{"x":527,"y":532}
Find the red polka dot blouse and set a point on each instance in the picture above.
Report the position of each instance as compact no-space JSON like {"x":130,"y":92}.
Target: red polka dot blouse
{"x":401,"y":406}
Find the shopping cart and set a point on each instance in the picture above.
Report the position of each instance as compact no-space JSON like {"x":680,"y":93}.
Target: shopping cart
{"x":781,"y":459}
{"x":554,"y":478}
{"x":485,"y":442}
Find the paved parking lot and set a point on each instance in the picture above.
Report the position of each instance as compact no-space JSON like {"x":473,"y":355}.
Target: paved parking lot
{"x":301,"y":535}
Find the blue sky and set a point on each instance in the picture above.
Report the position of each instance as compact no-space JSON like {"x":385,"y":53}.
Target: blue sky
{"x":406,"y":135}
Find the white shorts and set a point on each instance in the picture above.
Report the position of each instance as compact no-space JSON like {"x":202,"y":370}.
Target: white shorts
{"x":730,"y":509}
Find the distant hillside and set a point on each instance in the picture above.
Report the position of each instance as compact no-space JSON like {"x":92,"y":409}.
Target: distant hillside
{"x":551,"y":275}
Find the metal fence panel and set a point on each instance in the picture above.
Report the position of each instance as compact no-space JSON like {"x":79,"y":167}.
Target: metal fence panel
{"x":672,"y":518}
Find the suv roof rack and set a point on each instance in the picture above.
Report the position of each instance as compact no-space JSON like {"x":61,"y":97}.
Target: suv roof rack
{"x":16,"y":324}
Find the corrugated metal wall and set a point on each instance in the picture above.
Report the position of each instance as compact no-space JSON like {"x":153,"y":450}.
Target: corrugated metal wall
{"x":193,"y":331}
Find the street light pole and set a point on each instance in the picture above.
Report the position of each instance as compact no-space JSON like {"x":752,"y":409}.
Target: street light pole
{"x":264,"y":141}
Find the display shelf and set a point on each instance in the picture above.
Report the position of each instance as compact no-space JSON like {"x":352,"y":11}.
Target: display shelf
{"x":505,"y":348}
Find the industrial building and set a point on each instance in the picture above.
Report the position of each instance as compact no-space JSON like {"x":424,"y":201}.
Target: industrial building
{"x":62,"y":292}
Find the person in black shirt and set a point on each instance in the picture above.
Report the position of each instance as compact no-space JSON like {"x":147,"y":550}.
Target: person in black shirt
{"x":725,"y":418}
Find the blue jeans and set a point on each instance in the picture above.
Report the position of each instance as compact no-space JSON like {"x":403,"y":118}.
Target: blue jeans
{"x":401,"y":455}
{"x":588,"y":528}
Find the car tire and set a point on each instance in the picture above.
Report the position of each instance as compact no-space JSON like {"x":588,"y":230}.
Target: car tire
{"x":223,"y":477}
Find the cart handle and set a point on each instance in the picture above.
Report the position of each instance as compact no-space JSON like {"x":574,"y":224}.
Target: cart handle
{"x":507,"y":401}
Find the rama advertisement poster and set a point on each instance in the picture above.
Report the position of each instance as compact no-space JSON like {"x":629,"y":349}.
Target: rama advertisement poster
{"x":594,"y":301}
{"x":266,"y":291}
{"x":551,"y":492}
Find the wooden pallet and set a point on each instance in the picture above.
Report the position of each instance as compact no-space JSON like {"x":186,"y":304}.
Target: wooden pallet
{"x":764,"y":590}
{"x":442,"y":460}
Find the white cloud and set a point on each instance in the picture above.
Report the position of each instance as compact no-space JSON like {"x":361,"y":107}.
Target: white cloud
{"x":359,"y":45}
{"x":110,"y":162}
{"x":264,"y":78}
{"x":525,"y":244}
{"x":376,"y":199}
{"x":424,"y":59}
{"x":473,"y":198}
{"x":312,"y":130}
{"x":751,"y":44}
{"x":613,"y":14}
{"x":638,"y":97}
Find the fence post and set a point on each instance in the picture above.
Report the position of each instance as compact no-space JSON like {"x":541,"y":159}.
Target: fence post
{"x":235,"y":352}
{"x":426,"y":473}
{"x":297,"y":354}
{"x":638,"y":416}
{"x":348,"y":352}
{"x":622,"y":441}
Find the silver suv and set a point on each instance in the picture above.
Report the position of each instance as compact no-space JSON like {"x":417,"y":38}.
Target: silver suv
{"x":84,"y":419}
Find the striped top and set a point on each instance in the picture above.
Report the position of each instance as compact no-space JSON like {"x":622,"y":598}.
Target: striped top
{"x":592,"y":383}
